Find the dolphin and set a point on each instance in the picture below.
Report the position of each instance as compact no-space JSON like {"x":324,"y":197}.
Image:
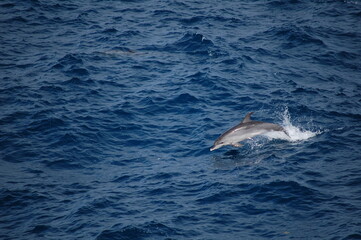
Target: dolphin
{"x":245,"y":130}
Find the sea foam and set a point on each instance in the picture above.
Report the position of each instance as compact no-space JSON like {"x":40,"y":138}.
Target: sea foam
{"x":296,"y":133}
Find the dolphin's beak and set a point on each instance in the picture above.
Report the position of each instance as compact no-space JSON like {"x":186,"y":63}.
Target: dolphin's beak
{"x":214,"y":147}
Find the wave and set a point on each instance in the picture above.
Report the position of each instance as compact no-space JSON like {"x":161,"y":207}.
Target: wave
{"x":152,"y":229}
{"x":190,"y":43}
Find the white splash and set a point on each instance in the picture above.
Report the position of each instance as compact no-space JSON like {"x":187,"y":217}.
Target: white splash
{"x":295,"y":133}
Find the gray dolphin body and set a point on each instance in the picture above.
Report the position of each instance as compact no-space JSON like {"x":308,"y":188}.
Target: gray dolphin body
{"x":245,"y":130}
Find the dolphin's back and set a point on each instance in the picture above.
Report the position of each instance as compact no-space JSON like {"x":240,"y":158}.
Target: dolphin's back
{"x":249,"y":129}
{"x":271,"y":126}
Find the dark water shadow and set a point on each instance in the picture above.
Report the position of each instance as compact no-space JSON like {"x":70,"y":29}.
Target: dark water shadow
{"x":234,"y":159}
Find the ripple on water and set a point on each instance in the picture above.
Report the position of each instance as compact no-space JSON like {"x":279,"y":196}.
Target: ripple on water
{"x":108,"y":112}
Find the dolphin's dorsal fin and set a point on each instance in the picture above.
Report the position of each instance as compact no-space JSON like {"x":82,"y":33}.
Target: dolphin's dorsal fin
{"x":247,"y":118}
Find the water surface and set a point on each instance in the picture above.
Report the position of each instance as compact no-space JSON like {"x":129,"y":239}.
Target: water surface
{"x":108,"y":110}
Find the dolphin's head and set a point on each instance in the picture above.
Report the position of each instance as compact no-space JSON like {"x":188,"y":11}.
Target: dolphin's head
{"x":218,"y":144}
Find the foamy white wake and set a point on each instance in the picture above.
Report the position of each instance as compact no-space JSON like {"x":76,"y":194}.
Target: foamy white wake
{"x":295,"y":133}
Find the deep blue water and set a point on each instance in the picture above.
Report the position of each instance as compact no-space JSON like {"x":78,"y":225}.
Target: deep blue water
{"x":108,"y":110}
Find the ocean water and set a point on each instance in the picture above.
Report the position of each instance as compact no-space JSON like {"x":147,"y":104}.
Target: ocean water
{"x":108,"y":110}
